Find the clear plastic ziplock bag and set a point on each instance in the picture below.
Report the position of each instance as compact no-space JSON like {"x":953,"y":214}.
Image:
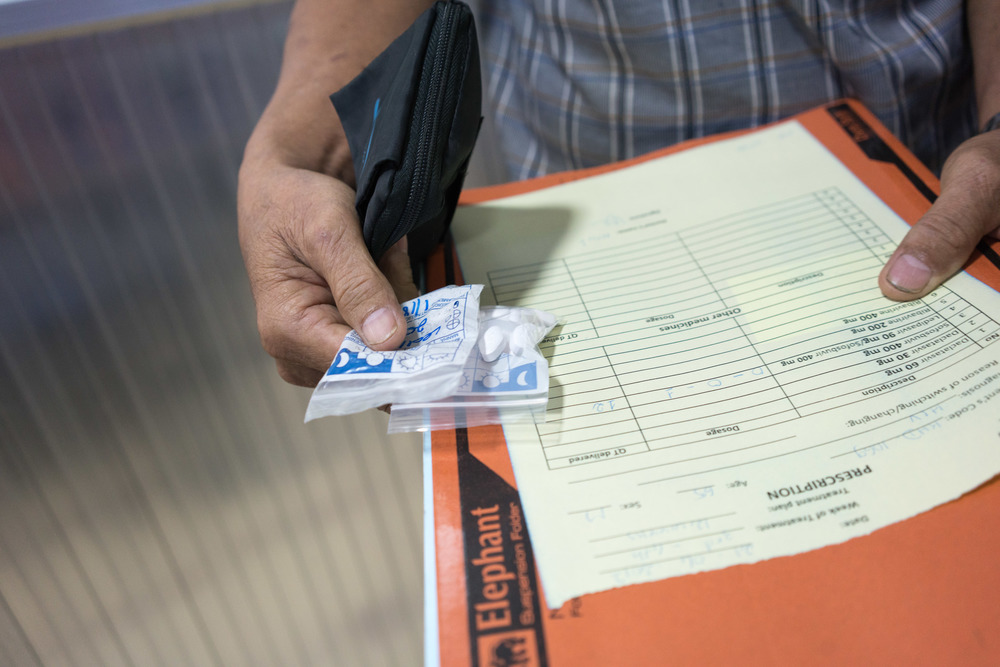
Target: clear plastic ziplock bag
{"x":442,"y":331}
{"x":505,"y":379}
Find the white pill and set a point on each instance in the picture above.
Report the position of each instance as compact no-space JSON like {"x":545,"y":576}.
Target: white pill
{"x":492,"y":342}
{"x":521,"y":340}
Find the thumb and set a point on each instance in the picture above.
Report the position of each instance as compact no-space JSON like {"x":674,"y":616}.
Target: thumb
{"x":943,"y":239}
{"x":361,"y":293}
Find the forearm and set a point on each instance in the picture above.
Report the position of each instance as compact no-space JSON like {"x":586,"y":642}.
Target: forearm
{"x":984,"y":35}
{"x":329,"y":42}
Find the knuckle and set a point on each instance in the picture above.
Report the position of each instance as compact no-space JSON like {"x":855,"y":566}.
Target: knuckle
{"x":274,"y":336}
{"x":285,"y":372}
{"x":949,"y":231}
{"x":975,"y":168}
{"x":326,"y":230}
{"x":357,"y":292}
{"x":272,"y":344}
{"x":292,"y":375}
{"x":978,"y":155}
{"x":326,"y":239}
{"x":314,"y":221}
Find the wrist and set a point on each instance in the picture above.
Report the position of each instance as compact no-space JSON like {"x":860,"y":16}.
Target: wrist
{"x":300,"y":130}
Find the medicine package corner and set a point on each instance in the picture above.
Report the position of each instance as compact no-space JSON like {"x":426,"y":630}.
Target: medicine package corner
{"x":442,"y":330}
{"x":505,"y":379}
{"x":459,"y":366}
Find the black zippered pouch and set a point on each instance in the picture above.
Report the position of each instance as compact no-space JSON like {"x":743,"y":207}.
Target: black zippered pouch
{"x":411,"y":120}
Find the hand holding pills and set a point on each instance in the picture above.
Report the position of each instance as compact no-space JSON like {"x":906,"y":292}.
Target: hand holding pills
{"x":455,"y":355}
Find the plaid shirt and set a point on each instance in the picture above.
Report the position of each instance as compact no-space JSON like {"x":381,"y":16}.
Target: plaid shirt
{"x":577,"y":83}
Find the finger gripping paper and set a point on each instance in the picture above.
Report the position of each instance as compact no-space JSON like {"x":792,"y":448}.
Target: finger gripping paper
{"x":411,"y":120}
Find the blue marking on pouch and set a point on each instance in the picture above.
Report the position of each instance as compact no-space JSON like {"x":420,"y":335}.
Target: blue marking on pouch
{"x":374,"y":120}
{"x":348,"y":362}
{"x":519,"y":378}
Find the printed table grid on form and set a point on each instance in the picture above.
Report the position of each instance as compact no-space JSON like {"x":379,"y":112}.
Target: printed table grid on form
{"x":733,"y":326}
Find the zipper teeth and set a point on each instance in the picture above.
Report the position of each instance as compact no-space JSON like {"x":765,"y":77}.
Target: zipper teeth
{"x":429,"y":129}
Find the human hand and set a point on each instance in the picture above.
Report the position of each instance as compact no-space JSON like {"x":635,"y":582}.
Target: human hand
{"x":943,"y":239}
{"x":312,"y":277}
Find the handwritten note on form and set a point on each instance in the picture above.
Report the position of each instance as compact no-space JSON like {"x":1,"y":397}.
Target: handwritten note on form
{"x":727,"y":382}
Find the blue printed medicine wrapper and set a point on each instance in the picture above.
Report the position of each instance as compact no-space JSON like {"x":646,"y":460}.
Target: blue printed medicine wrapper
{"x":442,"y":329}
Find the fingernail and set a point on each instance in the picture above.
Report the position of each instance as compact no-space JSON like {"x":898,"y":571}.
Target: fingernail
{"x":909,"y":274}
{"x":379,"y":326}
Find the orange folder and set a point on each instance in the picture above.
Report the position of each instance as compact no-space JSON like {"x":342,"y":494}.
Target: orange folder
{"x":922,"y":591}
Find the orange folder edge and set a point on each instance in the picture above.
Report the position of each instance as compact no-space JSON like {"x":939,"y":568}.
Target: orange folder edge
{"x":921,"y":591}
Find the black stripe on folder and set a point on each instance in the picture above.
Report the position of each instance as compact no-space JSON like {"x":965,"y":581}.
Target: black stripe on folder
{"x":504,"y":600}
